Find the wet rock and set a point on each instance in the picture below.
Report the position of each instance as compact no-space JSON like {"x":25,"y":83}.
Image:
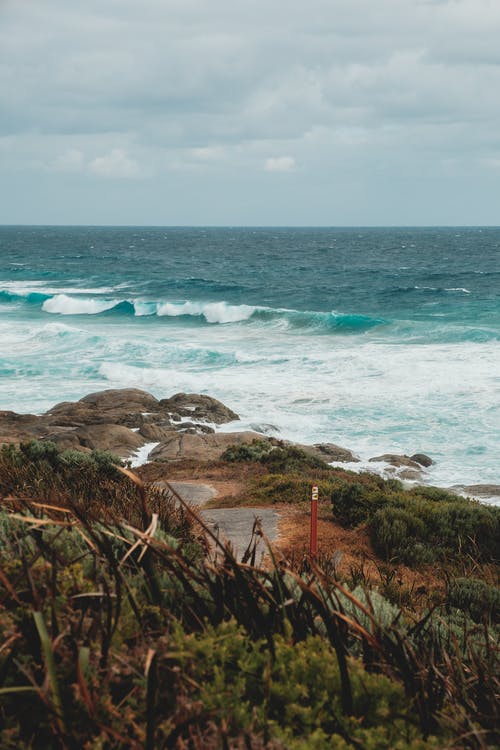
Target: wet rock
{"x":182,"y":446}
{"x":198,"y":408}
{"x":422,"y":459}
{"x":409,"y":474}
{"x":483,"y":490}
{"x":195,"y":428}
{"x":397,"y":461}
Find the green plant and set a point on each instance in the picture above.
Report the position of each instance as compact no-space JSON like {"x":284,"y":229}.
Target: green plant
{"x":476,"y":597}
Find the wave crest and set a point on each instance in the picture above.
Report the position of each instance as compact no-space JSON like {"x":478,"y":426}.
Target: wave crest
{"x":213,"y":312}
{"x":198,"y":312}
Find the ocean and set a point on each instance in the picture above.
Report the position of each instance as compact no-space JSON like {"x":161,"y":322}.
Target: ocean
{"x":380,"y":340}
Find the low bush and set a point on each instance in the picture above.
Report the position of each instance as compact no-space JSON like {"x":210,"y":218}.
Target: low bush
{"x":287,"y":488}
{"x":394,"y":532}
{"x":278,"y":457}
{"x":354,"y":502}
{"x":476,"y":597}
{"x":420,"y":525}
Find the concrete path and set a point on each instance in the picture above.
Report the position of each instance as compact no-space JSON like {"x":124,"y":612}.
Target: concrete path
{"x":235,"y":525}
{"x":228,"y":524}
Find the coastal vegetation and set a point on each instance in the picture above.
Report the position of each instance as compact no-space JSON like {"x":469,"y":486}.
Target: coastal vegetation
{"x":124,"y":623}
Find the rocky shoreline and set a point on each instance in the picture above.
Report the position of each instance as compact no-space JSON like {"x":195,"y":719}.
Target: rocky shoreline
{"x":184,"y":426}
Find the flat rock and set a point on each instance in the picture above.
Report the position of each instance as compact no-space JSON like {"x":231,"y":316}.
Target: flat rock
{"x":183,"y":446}
{"x":485,"y":490}
{"x":198,"y":407}
{"x":395,"y":460}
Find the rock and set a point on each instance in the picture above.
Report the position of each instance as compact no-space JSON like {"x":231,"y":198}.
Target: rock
{"x":330,"y":452}
{"x":395,"y":460}
{"x":422,"y":459}
{"x":19,"y":427}
{"x":157,"y":432}
{"x":116,"y":439}
{"x":264,"y":429}
{"x":198,"y":408}
{"x":194,"y":428}
{"x":409,"y":474}
{"x":484,"y":490}
{"x":182,"y":446}
{"x":125,"y":406}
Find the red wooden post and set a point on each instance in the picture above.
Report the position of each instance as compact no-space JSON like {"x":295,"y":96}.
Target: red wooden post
{"x":313,"y":544}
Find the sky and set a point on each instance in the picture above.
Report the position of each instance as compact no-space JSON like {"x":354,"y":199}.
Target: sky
{"x":250,"y":112}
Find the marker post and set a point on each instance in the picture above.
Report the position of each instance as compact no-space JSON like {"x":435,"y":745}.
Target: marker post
{"x":313,"y":542}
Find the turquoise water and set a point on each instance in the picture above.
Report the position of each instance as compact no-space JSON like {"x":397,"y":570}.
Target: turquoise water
{"x":377,"y":339}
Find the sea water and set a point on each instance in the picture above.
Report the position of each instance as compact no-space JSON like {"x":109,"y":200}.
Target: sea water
{"x":380,"y":340}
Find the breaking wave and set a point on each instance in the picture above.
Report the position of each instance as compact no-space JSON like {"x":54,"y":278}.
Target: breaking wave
{"x":219,"y":312}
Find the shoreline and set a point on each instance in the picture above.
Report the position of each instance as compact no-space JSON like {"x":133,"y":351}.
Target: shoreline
{"x":140,"y":428}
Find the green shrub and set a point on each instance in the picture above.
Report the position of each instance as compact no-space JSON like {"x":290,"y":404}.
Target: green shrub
{"x":278,"y":457}
{"x":353,"y":502}
{"x":476,"y":597}
{"x":394,"y":531}
{"x":466,"y":527}
{"x":253,"y":451}
{"x":293,"y":694}
{"x":287,"y":488}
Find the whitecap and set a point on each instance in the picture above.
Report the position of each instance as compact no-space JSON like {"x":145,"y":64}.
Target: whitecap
{"x":62,"y":304}
{"x":213,"y":312}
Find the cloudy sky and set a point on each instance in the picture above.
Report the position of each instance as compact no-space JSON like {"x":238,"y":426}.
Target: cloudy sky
{"x":250,"y":112}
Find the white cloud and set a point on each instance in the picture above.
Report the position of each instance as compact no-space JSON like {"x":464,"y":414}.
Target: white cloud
{"x":115,"y":165}
{"x":279,"y":164}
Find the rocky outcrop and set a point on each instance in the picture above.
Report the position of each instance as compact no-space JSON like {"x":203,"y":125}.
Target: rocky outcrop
{"x":198,"y":408}
{"x":116,"y":420}
{"x":199,"y":447}
{"x":15,"y":428}
{"x":330,"y":452}
{"x":123,"y":420}
{"x":126,"y":406}
{"x":398,"y":461}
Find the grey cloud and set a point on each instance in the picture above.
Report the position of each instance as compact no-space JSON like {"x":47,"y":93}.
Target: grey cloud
{"x":143,"y":88}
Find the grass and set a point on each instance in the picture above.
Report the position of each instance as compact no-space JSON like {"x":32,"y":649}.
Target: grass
{"x":122,"y":635}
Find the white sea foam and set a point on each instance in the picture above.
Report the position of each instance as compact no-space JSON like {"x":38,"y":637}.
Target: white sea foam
{"x":140,"y":457}
{"x":213,"y":312}
{"x":23,"y":288}
{"x":371,"y":394}
{"x":458,"y":289}
{"x":62,"y":304}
